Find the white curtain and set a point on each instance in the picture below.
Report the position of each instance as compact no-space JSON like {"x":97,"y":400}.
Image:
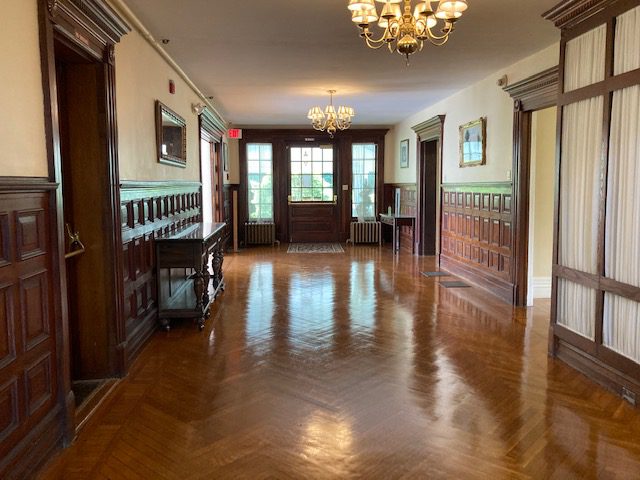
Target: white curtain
{"x":627,"y":51}
{"x":622,"y":316}
{"x":585,"y":59}
{"x":580,"y":184}
{"x":577,"y":308}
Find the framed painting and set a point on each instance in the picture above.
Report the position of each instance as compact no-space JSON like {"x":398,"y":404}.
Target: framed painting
{"x":473,"y":143}
{"x":404,"y":153}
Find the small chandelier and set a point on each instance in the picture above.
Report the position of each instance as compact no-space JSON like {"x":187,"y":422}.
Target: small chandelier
{"x":405,"y":32}
{"x":330,"y":120}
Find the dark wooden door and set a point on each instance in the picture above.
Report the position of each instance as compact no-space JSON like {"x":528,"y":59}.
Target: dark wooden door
{"x":428,"y":198}
{"x":313,"y":210}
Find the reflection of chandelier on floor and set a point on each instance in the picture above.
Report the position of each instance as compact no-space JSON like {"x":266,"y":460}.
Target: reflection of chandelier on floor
{"x":330,"y":120}
{"x":405,"y":32}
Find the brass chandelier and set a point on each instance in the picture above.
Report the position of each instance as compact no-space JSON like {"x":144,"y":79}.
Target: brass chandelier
{"x":405,"y":32}
{"x":331,"y":120}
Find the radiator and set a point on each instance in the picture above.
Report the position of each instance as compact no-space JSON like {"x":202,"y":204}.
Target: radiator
{"x":260,"y":233}
{"x":365,"y":232}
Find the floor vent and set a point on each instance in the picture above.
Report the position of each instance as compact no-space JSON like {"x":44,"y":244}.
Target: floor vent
{"x":260,"y":233}
{"x":365,"y":232}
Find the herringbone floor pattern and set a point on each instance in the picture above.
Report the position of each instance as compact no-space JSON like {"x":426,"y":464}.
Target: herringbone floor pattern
{"x":354,"y":366}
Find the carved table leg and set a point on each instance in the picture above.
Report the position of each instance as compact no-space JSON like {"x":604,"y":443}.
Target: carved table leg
{"x":206,"y":276}
{"x":164,"y":323}
{"x":198,"y":287}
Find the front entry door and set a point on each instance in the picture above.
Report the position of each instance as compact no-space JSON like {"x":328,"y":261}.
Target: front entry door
{"x":313,"y":209}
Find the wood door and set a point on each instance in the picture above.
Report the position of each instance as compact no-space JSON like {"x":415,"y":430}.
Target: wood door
{"x":313,"y":209}
{"x":428,"y":197}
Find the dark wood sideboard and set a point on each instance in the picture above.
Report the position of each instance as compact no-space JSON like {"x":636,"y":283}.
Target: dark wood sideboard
{"x":189,"y":262}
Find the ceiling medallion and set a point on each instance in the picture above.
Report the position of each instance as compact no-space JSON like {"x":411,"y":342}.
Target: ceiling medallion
{"x":406,"y":32}
{"x":331,"y":120}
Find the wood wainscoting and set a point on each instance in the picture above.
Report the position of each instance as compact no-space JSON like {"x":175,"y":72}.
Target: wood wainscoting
{"x":32,"y":393}
{"x":477,"y":235}
{"x":149,"y":209}
{"x":408,"y":206}
{"x":227,"y":214}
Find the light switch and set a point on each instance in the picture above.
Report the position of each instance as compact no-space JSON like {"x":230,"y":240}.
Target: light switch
{"x":345,"y":187}
{"x":508,"y":174}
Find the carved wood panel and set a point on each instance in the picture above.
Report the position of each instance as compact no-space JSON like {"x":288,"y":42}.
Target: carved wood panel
{"x":28,"y":354}
{"x":149,"y":209}
{"x":477,"y":233}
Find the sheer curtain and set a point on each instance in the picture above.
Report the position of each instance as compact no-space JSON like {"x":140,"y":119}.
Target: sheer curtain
{"x":580,"y":184}
{"x":627,"y":53}
{"x":622,"y":316}
{"x":579,"y":206}
{"x":585,"y":59}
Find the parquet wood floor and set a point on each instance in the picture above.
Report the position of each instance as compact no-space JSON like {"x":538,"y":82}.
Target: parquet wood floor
{"x":354,"y":366}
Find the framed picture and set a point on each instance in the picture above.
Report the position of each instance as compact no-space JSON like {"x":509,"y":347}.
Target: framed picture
{"x":404,"y":153}
{"x":171,"y":136}
{"x":473,"y":143}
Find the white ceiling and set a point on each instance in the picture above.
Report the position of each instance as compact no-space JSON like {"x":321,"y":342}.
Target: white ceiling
{"x":266,"y":62}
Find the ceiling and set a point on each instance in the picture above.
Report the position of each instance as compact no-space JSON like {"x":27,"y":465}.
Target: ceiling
{"x":266,"y":62}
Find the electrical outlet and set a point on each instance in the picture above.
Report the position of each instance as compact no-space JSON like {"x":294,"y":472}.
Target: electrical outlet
{"x":629,"y":396}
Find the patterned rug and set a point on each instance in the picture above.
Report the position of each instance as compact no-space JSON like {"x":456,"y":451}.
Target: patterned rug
{"x":315,"y":248}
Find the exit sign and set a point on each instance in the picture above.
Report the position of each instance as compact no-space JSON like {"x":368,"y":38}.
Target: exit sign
{"x":235,"y":133}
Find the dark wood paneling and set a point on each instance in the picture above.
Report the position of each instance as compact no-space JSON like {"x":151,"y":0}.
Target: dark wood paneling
{"x":313,"y":223}
{"x":227,"y":213}
{"x":477,"y":235}
{"x":148,"y":210}
{"x":29,"y":384}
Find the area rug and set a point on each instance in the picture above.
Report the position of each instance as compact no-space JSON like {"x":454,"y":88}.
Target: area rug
{"x":315,"y":248}
{"x":436,"y":274}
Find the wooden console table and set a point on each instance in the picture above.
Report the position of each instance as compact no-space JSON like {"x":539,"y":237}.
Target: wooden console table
{"x":397,"y":221}
{"x":189,"y":272}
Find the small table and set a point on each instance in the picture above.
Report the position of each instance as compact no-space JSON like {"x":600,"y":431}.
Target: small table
{"x":397,"y":221}
{"x":196,"y":247}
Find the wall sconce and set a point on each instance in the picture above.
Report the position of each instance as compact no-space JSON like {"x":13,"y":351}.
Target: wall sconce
{"x":198,"y":108}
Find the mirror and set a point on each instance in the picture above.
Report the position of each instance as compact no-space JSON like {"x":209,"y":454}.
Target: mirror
{"x":171,"y":136}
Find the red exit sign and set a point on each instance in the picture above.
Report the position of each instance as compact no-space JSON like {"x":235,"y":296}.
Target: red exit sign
{"x":235,"y":133}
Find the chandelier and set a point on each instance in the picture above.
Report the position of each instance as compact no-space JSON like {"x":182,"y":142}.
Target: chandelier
{"x":330,"y":120}
{"x":406,"y":32}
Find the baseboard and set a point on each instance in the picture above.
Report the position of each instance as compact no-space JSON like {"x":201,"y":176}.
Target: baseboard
{"x":479,"y":278}
{"x":601,"y":373}
{"x":541,"y":287}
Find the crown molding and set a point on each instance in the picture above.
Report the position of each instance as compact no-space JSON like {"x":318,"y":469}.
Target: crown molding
{"x":569,"y":13}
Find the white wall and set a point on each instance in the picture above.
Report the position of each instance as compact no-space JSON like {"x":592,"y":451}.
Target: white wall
{"x":483,"y":99}
{"x":541,"y":202}
{"x":142,"y":76}
{"x":234,"y":161}
{"x":22,"y":133}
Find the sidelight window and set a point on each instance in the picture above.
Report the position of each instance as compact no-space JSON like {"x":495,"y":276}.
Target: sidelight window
{"x":312,"y":174}
{"x":363,"y":190}
{"x":260,"y":181}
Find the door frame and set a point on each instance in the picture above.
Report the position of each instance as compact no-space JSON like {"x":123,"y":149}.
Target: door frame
{"x":92,"y":28}
{"x":431,"y":130}
{"x":534,"y":93}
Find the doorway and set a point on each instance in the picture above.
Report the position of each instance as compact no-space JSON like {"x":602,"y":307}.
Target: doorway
{"x":312,"y":199}
{"x":541,"y":204}
{"x":87,"y":212}
{"x":428,"y":197}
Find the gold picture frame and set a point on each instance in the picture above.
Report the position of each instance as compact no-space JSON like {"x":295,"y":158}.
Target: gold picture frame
{"x":473,"y":143}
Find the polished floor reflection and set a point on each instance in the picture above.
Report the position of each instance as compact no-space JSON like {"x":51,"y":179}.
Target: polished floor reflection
{"x":354,"y":365}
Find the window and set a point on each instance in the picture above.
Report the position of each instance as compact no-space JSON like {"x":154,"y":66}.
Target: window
{"x":363,"y":189}
{"x":312,"y":174}
{"x":260,"y":181}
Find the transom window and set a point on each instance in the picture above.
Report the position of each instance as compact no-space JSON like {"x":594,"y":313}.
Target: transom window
{"x":312,"y":174}
{"x":260,"y":181}
{"x":363,"y":189}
